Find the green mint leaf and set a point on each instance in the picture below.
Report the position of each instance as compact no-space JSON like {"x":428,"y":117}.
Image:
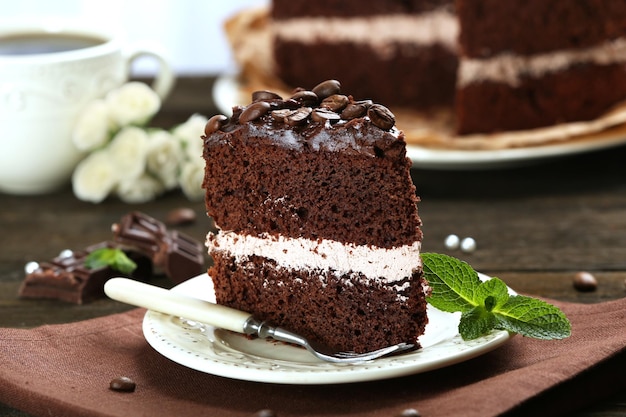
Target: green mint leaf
{"x":492,"y":293}
{"x":476,"y":322}
{"x":532,"y":318}
{"x":114,"y":258}
{"x":454,"y":283}
{"x":486,"y":306}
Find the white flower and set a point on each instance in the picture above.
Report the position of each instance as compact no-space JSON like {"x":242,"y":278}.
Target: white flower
{"x":132,"y":103}
{"x":190,"y":134}
{"x":139,"y":190}
{"x":93,"y":126}
{"x":128,"y":150}
{"x":191,"y":177}
{"x":164,"y":158}
{"x":94,"y":177}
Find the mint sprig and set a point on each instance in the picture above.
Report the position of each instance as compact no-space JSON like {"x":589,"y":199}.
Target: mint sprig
{"x":112,"y":257}
{"x":487,"y":305}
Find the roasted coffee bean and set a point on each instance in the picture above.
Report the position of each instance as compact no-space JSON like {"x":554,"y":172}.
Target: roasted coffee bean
{"x":254,"y":111}
{"x":321,"y":115}
{"x":281,"y":114}
{"x":585,"y":282}
{"x":265,"y":95}
{"x":381,"y":116}
{"x":327,"y":88}
{"x":265,"y":413}
{"x":214,"y":124}
{"x":122,"y":383}
{"x":180,"y":216}
{"x":290,"y":104}
{"x":410,"y":412}
{"x":306,"y":98}
{"x":298,"y":117}
{"x":336,"y":102}
{"x":354,"y":110}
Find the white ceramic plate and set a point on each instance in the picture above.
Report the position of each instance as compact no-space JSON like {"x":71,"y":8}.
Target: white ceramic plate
{"x":226,"y":95}
{"x":448,"y":159}
{"x":219,"y":352}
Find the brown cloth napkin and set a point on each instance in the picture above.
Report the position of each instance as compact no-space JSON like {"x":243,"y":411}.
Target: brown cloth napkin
{"x":65,"y":370}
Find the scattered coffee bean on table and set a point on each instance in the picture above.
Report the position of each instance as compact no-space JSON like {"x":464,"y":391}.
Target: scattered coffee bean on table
{"x":410,"y":412}
{"x":265,"y":413}
{"x":585,"y":282}
{"x":122,"y":383}
{"x":180,"y":216}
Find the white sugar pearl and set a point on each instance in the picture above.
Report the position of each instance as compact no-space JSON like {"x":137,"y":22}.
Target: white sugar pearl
{"x":468,"y":244}
{"x":31,"y":267}
{"x":452,"y":242}
{"x":66,"y":253}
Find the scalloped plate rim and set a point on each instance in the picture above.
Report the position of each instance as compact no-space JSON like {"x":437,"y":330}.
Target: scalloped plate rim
{"x":218,"y":352}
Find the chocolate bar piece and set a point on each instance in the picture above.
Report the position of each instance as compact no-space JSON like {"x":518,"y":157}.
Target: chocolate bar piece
{"x":178,"y":255}
{"x":67,"y":278}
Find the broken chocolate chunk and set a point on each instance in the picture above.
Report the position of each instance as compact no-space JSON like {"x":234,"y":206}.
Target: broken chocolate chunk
{"x":178,"y":255}
{"x":67,"y":278}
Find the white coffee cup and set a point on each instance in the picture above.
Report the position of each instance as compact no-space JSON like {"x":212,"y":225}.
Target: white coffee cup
{"x":48,"y":73}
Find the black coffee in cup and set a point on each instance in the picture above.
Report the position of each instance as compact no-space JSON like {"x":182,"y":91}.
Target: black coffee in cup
{"x":45,"y":43}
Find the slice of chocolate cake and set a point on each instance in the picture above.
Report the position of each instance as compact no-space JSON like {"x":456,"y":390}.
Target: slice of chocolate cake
{"x":317,"y":218}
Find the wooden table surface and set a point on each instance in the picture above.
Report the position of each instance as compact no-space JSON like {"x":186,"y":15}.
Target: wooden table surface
{"x":535,"y":226}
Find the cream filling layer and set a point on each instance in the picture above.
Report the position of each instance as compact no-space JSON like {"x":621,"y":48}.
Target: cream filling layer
{"x":387,"y":266}
{"x":381,"y":32}
{"x":508,"y":68}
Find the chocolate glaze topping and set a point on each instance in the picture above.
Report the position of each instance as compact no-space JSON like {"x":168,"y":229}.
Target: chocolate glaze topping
{"x":303,"y":120}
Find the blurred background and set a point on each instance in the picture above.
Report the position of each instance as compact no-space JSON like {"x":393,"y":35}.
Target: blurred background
{"x":189,"y":32}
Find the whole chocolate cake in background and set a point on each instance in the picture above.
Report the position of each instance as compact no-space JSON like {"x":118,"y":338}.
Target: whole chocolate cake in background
{"x":472,"y":74}
{"x":532,"y":63}
{"x":401,"y":53}
{"x":317,"y":218}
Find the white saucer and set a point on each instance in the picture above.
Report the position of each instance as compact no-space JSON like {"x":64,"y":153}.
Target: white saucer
{"x":219,"y":352}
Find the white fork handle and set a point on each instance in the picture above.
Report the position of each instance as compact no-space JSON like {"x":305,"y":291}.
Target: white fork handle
{"x":175,"y":304}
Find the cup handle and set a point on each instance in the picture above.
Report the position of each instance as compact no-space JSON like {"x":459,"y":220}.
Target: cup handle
{"x":165,"y":78}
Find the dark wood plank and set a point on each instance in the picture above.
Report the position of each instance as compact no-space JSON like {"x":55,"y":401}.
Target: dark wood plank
{"x":535,"y":227}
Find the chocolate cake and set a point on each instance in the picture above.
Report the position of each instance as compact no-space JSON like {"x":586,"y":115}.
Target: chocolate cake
{"x":317,"y":220}
{"x":554,"y":62}
{"x":496,"y":65}
{"x":394,"y":52}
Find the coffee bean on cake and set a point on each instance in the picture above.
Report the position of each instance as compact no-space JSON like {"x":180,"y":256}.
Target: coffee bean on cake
{"x":336,"y":102}
{"x":381,"y":116}
{"x":327,"y":88}
{"x":265,"y":95}
{"x":215,"y":123}
{"x":254,"y":111}
{"x":298,"y":117}
{"x":356,"y":109}
{"x":322,"y":115}
{"x":306,"y":98}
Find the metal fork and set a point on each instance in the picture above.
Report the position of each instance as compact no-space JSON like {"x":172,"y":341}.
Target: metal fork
{"x":176,"y":304}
